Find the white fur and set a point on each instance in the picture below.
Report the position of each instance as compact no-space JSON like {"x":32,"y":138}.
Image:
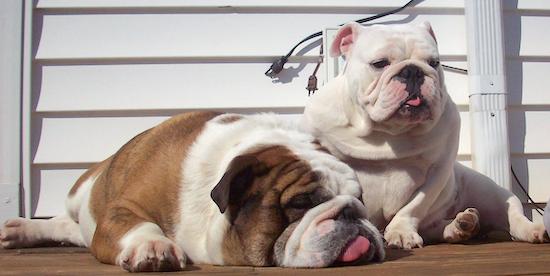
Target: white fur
{"x":408,"y":171}
{"x":217,"y":145}
{"x":144,"y":243}
{"x":86,"y":221}
{"x":22,"y":232}
{"x":78,"y":207}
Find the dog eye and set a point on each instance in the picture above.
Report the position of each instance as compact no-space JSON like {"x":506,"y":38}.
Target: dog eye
{"x":379,"y":64}
{"x":301,"y":201}
{"x":433,"y":63}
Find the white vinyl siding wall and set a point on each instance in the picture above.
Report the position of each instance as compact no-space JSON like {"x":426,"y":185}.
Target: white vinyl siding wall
{"x":526,"y":24}
{"x":103,"y":71}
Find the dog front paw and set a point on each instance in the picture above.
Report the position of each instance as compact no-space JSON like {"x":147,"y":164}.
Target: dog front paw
{"x":152,"y":255}
{"x":538,"y":234}
{"x":406,"y":239}
{"x":527,"y":231}
{"x":17,"y":233}
{"x":464,"y":226}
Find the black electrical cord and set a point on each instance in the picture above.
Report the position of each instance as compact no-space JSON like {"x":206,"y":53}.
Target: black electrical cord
{"x":456,"y":69}
{"x":537,"y":208}
{"x":277,"y":66}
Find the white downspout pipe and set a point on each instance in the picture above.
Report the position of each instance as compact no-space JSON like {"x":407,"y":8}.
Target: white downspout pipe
{"x":487,"y":85}
{"x":26,"y":107}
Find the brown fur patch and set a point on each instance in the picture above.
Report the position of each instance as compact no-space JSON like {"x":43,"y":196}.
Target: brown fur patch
{"x":228,"y":119}
{"x":259,"y":217}
{"x":140,"y":183}
{"x":91,"y":172}
{"x":320,"y":147}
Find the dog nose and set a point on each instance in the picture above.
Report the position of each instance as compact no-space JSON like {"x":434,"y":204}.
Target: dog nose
{"x":347,"y":214}
{"x":411,"y":72}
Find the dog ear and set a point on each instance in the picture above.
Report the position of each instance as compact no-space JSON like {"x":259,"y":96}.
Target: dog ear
{"x":345,"y":38}
{"x":236,"y":179}
{"x":426,"y":25}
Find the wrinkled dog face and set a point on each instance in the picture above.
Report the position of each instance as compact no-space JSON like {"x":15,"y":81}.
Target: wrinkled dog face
{"x":284,"y":213}
{"x":394,"y":72}
{"x":335,"y":232}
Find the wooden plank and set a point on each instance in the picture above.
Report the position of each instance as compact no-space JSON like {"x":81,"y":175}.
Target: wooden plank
{"x":479,"y":258}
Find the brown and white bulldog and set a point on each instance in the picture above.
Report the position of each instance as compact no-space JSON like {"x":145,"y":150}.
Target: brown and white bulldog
{"x":212,"y":188}
{"x":388,"y":116}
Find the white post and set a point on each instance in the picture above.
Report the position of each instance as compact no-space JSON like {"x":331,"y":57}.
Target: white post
{"x":487,"y":84}
{"x":26,"y":107}
{"x":11,"y":19}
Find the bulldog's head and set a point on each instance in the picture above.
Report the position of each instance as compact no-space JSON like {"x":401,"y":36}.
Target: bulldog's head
{"x":393,"y":73}
{"x":289,"y":211}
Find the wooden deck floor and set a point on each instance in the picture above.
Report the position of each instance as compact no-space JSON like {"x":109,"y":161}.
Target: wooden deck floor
{"x":482,"y":258}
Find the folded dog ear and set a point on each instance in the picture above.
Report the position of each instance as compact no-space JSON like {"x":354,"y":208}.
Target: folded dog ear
{"x":237,"y":177}
{"x":345,"y":38}
{"x":426,"y":25}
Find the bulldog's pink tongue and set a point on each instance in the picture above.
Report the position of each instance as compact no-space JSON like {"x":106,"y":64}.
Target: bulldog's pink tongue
{"x":355,"y":249}
{"x":414,"y":102}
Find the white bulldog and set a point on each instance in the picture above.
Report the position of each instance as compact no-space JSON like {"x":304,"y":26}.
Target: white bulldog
{"x":222,"y":189}
{"x":388,"y":115}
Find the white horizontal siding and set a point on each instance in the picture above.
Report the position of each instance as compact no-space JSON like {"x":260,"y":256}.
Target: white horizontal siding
{"x":528,"y":68}
{"x":84,"y":36}
{"x":528,"y":84}
{"x":525,"y":31}
{"x":533,"y":172}
{"x":529,"y":132}
{"x":87,"y":140}
{"x":169,"y":86}
{"x":50,"y":198}
{"x":105,"y":70}
{"x":540,"y":5}
{"x":177,"y":86}
{"x":242,"y":3}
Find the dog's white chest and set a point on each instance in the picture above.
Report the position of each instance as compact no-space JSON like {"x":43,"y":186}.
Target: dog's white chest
{"x":388,"y":186}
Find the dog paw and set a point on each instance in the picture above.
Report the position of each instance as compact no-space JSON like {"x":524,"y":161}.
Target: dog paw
{"x":529,"y":232}
{"x":152,"y":255}
{"x":403,"y":239}
{"x":538,"y":234}
{"x":464,"y":226}
{"x":17,"y":233}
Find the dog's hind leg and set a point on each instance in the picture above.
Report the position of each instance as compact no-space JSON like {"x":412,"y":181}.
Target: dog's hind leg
{"x":499,"y":208}
{"x":22,"y":232}
{"x":462,"y":228}
{"x":521,"y":228}
{"x":67,"y":228}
